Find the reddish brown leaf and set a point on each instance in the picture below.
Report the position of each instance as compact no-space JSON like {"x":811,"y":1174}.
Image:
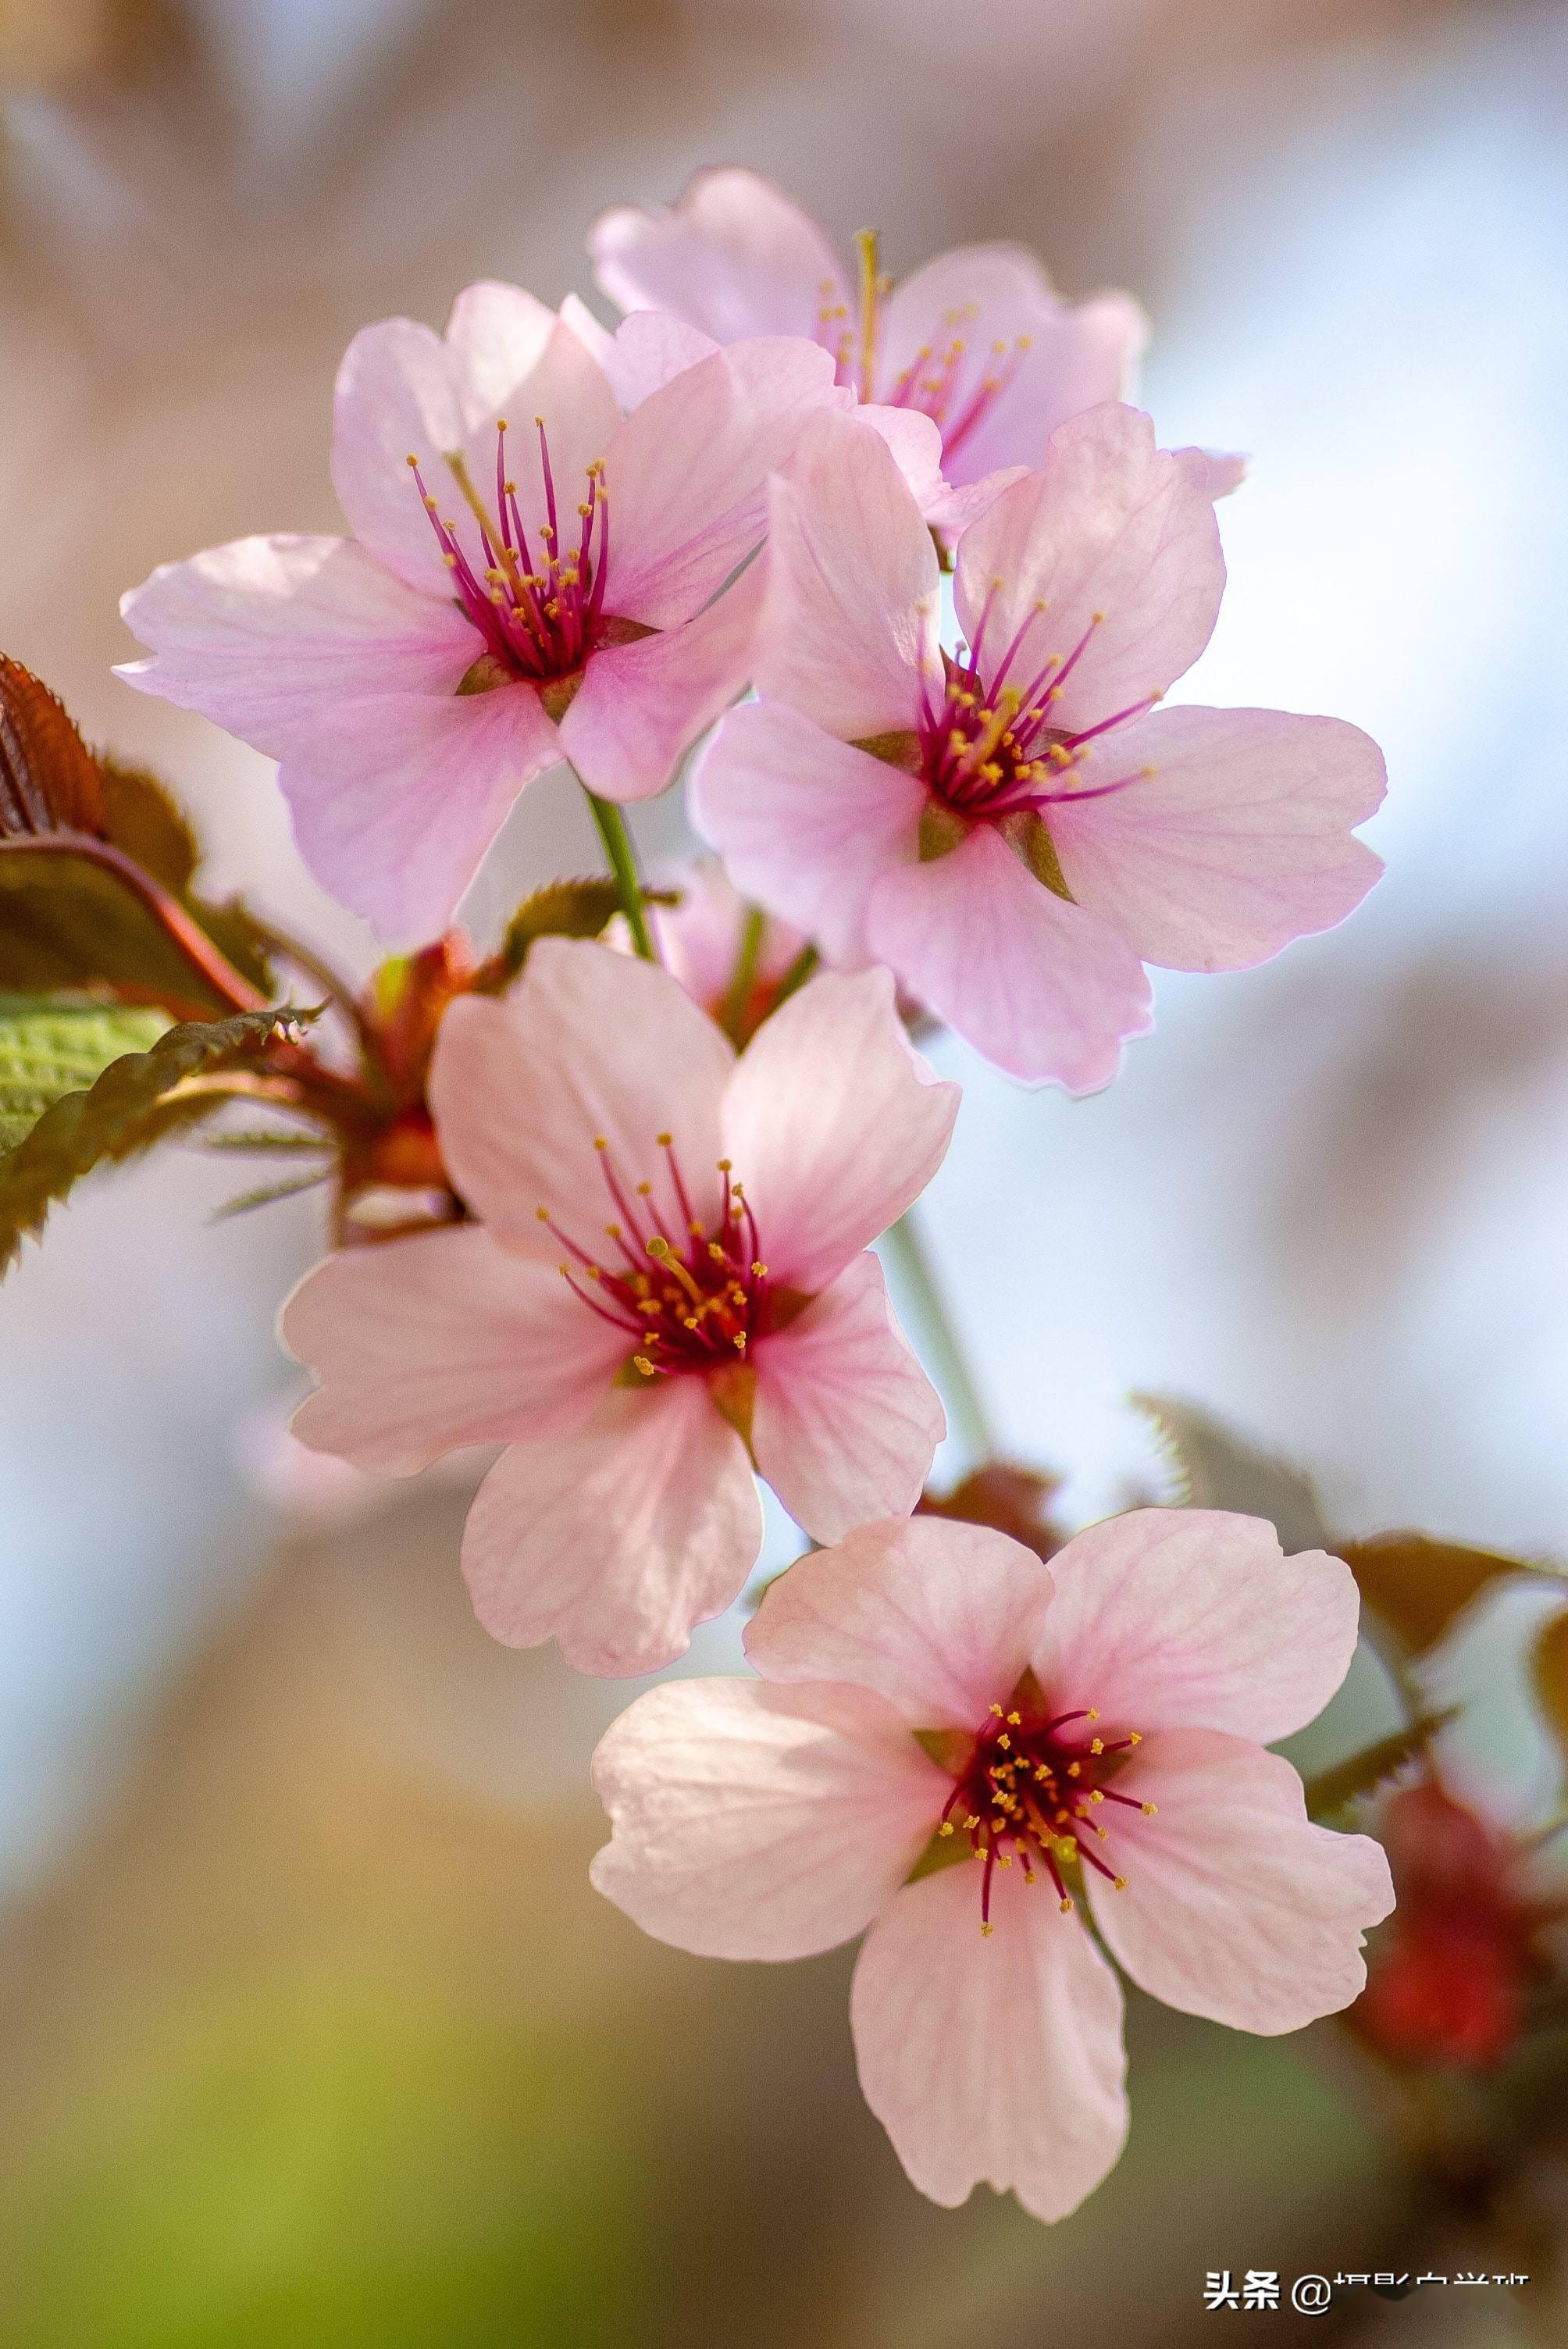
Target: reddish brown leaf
{"x":49,"y":779}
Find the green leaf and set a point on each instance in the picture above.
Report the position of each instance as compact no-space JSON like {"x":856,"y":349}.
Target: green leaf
{"x":1218,"y":1469}
{"x":1363,"y":1773}
{"x":267,"y":1193}
{"x":561,"y":909}
{"x":1417,"y":1587}
{"x":129,"y":1105}
{"x":51,"y":1045}
{"x":1551,"y":1671}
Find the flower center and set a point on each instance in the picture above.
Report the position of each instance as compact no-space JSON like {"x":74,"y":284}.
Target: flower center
{"x":988,"y":748}
{"x":540,"y":608}
{"x":691,"y":1293}
{"x":946,"y":379}
{"x":1033,"y":1787}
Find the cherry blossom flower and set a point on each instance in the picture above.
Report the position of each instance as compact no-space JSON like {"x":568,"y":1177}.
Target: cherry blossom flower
{"x":976,"y":340}
{"x":1015,"y":831}
{"x":488,"y":618}
{"x":1086,"y":1732}
{"x":671,"y":1284}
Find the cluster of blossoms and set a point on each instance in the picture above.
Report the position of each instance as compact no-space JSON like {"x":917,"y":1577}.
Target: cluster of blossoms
{"x":957,"y":576}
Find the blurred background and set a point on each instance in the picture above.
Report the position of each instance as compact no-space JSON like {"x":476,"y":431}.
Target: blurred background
{"x":311,"y":2028}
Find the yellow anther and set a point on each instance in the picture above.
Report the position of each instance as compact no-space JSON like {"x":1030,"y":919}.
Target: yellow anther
{"x":412,"y":461}
{"x":1093,"y":1713}
{"x":600,"y":1142}
{"x":543,"y":1214}
{"x":641,"y":1363}
{"x":972,"y":1822}
{"x":1066,"y":1905}
{"x":1096,"y":1797}
{"x":1075,"y":1769}
{"x":945,"y":1828}
{"x":1151,"y":1811}
{"x":760,"y":1270}
{"x":612,"y":1231}
{"x":1004,"y":1742}
{"x":1098,"y":1745}
{"x":985,"y":1929}
{"x":1004,"y":1860}
{"x":1119,"y":1883}
{"x":644,"y":1190}
{"x":664,"y":1140}
{"x":997,"y":1711}
{"x":1135,"y":1737}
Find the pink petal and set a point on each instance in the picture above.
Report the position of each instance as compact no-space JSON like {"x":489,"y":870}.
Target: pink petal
{"x":1110,"y":526}
{"x":845,"y":1421}
{"x":595,"y":339}
{"x":687,"y":474}
{"x":1222,"y":472}
{"x":992,"y":2059}
{"x":648,"y":350}
{"x":589,"y":1043}
{"x":753,"y":1822}
{"x":915,"y":443}
{"x":939,"y":1618}
{"x":264,"y":633}
{"x":396,"y":398}
{"x":397,"y":797}
{"x":835,"y":1124}
{"x":496,"y":336}
{"x":1195,"y":1617}
{"x":849,"y":631}
{"x":641,"y":706}
{"x":952,"y":512}
{"x":1234,"y":1906}
{"x":736,"y":256}
{"x":1077,"y":358}
{"x":1237,"y":842}
{"x":1046,"y":989}
{"x":805,"y":823}
{"x":617,"y":1540}
{"x":567,"y":386}
{"x":423,"y":1345}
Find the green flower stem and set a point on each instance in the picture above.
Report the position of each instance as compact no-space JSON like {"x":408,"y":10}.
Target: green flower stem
{"x":954,"y":1377}
{"x":623,"y":862}
{"x":745,"y":977}
{"x":799,"y":972}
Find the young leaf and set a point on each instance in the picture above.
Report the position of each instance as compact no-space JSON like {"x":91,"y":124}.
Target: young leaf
{"x":561,"y":909}
{"x":132,"y":1103}
{"x":139,"y":817}
{"x":267,"y":1193}
{"x":49,"y":779}
{"x":51,"y":1045}
{"x":1364,"y":1773}
{"x":1418,"y":1586}
{"x":1217,"y":1469}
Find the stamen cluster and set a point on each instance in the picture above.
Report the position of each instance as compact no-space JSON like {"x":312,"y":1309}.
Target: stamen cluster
{"x":690,"y":1295}
{"x":988,"y":747}
{"x":1030,"y":1794}
{"x":940,"y":381}
{"x":539,"y":614}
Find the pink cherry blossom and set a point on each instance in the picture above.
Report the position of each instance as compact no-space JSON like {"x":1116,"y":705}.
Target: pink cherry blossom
{"x":1014,"y":832}
{"x":670,"y":1285}
{"x":531,"y":577}
{"x":1086,"y":1732}
{"x":976,"y":340}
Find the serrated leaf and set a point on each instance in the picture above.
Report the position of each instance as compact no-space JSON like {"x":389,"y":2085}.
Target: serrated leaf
{"x":1218,"y":1469}
{"x":64,"y":922}
{"x":1550,"y":1664}
{"x":53,"y":1045}
{"x":1418,"y":1587}
{"x":131,"y":1104}
{"x":1364,"y":1773}
{"x":561,"y":909}
{"x":49,"y":779}
{"x":139,"y":817}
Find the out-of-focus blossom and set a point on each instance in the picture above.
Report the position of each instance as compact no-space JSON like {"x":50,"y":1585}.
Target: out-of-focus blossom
{"x":731,"y":958}
{"x":672,"y":1284}
{"x":531,"y":577}
{"x":976,"y":339}
{"x":1013,"y":1500}
{"x":1451,"y":1977}
{"x":1096,"y":1727}
{"x":1016,"y":831}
